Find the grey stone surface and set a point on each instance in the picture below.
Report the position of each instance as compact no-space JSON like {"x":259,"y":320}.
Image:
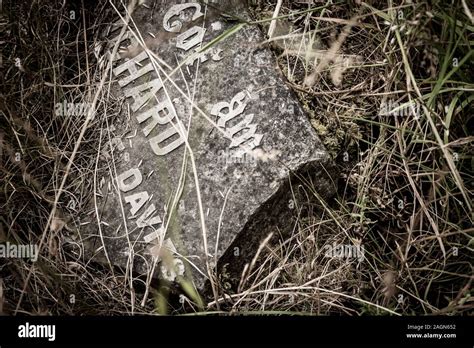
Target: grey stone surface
{"x":242,"y":165}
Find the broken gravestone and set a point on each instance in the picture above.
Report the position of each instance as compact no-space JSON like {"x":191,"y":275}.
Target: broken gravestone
{"x":207,"y":140}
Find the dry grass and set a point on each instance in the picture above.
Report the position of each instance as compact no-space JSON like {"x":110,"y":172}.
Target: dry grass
{"x":406,"y":179}
{"x":49,"y":159}
{"x":406,"y":182}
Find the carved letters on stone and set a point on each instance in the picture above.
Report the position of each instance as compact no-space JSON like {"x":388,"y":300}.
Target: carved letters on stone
{"x":241,"y":133}
{"x":156,"y":185}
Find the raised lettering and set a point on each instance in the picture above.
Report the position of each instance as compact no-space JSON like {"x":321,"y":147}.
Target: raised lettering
{"x":132,"y":173}
{"x":143,"y":93}
{"x":190,"y":38}
{"x":137,"y":201}
{"x":131,"y":66}
{"x":146,"y":220}
{"x":155,"y":113}
{"x":156,"y":141}
{"x":241,"y":132}
{"x":179,"y":9}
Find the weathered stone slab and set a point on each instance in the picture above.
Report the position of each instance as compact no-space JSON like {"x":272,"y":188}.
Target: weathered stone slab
{"x":162,"y":204}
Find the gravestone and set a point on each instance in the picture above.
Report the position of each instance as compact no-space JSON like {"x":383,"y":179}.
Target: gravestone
{"x":206,"y":141}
